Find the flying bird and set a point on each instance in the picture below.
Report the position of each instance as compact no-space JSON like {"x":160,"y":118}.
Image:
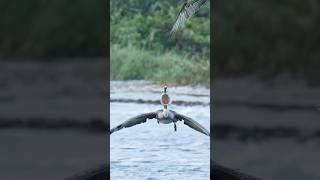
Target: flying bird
{"x":164,"y":116}
{"x":188,"y":9}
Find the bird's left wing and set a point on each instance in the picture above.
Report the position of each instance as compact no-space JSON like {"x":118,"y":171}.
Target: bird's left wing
{"x":192,"y":123}
{"x":134,"y":121}
{"x":186,"y":12}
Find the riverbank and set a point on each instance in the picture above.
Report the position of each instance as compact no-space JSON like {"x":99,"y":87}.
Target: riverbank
{"x":131,"y":63}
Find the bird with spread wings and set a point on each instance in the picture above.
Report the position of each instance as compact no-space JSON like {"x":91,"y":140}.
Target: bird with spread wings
{"x":164,"y":116}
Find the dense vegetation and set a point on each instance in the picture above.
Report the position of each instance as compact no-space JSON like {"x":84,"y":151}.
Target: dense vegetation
{"x":142,"y":49}
{"x":264,"y":38}
{"x":161,"y":67}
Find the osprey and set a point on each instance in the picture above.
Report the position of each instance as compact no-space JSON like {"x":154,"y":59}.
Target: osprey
{"x":164,"y":116}
{"x":188,"y":9}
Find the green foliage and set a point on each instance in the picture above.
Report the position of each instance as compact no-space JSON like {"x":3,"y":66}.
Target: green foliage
{"x":132,"y":63}
{"x":146,"y":24}
{"x":265,"y":38}
{"x":142,"y":48}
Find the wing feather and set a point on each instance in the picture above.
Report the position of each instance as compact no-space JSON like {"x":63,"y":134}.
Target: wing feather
{"x":192,"y":124}
{"x":142,"y":118}
{"x":186,"y":12}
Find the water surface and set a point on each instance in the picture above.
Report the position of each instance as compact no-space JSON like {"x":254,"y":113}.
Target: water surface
{"x":155,"y":151}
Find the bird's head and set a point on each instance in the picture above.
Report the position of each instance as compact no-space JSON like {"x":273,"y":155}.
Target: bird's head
{"x":165,"y":89}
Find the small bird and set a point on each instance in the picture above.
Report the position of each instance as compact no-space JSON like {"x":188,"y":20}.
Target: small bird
{"x":188,"y":9}
{"x":164,"y":116}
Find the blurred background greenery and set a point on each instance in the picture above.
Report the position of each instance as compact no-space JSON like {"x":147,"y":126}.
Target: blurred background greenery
{"x":267,"y":38}
{"x":38,"y":29}
{"x":262,"y":38}
{"x":142,"y":49}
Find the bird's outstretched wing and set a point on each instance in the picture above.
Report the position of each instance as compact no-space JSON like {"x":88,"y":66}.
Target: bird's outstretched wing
{"x":186,"y":12}
{"x":192,"y":123}
{"x":134,"y":121}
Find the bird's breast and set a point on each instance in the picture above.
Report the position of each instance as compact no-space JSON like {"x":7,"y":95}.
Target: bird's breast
{"x":165,"y":121}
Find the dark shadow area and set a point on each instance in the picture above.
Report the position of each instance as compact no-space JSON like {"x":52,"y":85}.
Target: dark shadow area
{"x":220,"y":173}
{"x":265,"y":89}
{"x":53,"y":88}
{"x":53,"y":29}
{"x":267,"y":39}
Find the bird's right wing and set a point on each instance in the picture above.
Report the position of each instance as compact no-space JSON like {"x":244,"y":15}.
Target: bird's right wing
{"x":134,"y":121}
{"x":192,"y":123}
{"x":186,"y":12}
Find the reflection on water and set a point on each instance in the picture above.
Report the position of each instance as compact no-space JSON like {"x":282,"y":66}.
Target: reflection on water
{"x":155,"y":151}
